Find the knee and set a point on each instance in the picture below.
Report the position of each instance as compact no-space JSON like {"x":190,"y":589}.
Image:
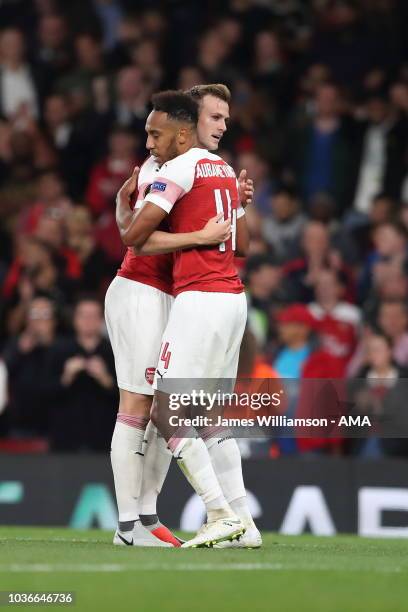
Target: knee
{"x":134,"y":404}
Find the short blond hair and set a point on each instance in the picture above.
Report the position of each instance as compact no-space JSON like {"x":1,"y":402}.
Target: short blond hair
{"x":218,"y":90}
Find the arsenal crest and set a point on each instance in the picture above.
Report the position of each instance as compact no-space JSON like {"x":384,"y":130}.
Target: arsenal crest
{"x":149,"y":375}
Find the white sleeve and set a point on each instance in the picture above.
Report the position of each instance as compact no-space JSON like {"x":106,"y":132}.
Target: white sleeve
{"x":240,"y":209}
{"x":173,"y":181}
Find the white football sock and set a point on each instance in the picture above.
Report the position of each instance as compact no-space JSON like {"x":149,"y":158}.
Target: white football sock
{"x":193,"y":458}
{"x":127,"y":463}
{"x":157,"y":458}
{"x":241,"y":509}
{"x":226,"y":460}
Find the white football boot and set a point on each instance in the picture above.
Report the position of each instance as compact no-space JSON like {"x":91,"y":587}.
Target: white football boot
{"x":139,"y":536}
{"x":250,"y":539}
{"x":217,"y":531}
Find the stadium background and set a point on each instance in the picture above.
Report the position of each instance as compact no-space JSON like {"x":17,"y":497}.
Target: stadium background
{"x":318,"y":119}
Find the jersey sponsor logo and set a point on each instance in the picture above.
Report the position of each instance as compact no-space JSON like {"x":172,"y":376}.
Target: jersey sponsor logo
{"x":149,"y":375}
{"x":207,"y":170}
{"x":159,"y":186}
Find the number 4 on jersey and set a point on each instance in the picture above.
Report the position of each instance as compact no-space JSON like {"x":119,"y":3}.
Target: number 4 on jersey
{"x":223,"y":205}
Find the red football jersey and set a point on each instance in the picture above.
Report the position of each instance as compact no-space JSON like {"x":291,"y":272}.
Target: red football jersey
{"x":153,"y":270}
{"x":192,"y":188}
{"x":338,"y":329}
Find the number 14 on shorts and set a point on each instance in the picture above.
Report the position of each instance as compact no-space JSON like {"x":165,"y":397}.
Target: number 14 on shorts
{"x":223,"y":205}
{"x":165,"y":354}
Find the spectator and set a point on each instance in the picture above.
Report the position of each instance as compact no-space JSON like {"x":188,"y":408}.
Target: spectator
{"x":388,"y":257}
{"x":382,"y":209}
{"x":269,"y":68}
{"x":320,"y":153}
{"x":54,"y":53}
{"x":110,"y":14}
{"x":83,"y":376}
{"x":251,"y":363}
{"x":34,"y":270}
{"x":75,"y":138}
{"x":90,"y":63}
{"x":257,"y":168}
{"x":146,"y":56}
{"x":109,"y":175}
{"x":129,"y":33}
{"x":344,"y":42}
{"x":21,"y":161}
{"x":266,"y":285}
{"x":96,"y":271}
{"x":393,"y":322}
{"x":132,"y":94}
{"x":50,"y":199}
{"x":26,"y":357}
{"x":295,"y":325}
{"x":379,"y":392}
{"x":254,"y":376}
{"x":322,"y":208}
{"x":189,"y":77}
{"x":381,"y":154}
{"x":282,"y":230}
{"x":19,"y":95}
{"x":317,"y":255}
{"x":338,"y":320}
{"x":212,"y":54}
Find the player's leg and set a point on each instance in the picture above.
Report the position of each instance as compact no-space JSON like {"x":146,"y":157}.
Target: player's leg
{"x":224,"y":451}
{"x":127,"y":466}
{"x":192,"y":346}
{"x":157,"y":458}
{"x":193,"y":459}
{"x":226,"y":459}
{"x":128,"y":308}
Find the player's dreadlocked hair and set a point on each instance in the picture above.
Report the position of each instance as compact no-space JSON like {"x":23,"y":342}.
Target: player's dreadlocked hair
{"x":218,"y":90}
{"x":177,"y":104}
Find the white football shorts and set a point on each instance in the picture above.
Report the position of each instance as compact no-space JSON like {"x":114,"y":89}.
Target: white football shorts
{"x":202,"y":337}
{"x":136,"y":316}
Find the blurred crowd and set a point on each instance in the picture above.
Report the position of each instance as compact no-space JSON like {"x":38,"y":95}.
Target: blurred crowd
{"x":319,"y":119}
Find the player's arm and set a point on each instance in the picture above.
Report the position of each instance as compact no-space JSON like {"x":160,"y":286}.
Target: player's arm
{"x":213,"y":233}
{"x":142,"y":225}
{"x":246,"y":194}
{"x":135,"y":226}
{"x":242,"y":240}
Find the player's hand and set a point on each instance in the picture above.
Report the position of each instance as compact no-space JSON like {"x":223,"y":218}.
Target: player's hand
{"x":215,"y":231}
{"x":245,"y":189}
{"x":127,"y":191}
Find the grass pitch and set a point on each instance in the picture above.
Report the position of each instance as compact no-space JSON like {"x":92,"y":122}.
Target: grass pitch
{"x":289,"y":574}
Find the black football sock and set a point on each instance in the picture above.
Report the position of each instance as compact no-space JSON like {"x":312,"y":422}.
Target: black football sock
{"x":126,"y":525}
{"x":150,"y":521}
